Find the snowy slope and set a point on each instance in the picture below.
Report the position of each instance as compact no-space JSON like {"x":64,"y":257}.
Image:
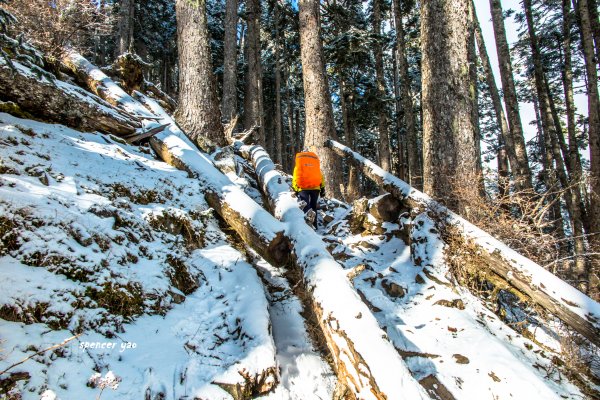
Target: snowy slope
{"x":451,"y":342}
{"x":100,"y":239}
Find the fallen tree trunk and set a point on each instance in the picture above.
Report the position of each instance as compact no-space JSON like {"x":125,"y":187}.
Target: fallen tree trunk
{"x":256,"y":226}
{"x":60,"y":102}
{"x":541,"y":287}
{"x":166,"y":101}
{"x":364,"y":360}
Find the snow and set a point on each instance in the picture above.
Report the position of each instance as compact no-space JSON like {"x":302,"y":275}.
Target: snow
{"x":79,"y":230}
{"x":431,"y":335}
{"x":303,"y":372}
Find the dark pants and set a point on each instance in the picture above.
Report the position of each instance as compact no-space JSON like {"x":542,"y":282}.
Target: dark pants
{"x":311,"y":198}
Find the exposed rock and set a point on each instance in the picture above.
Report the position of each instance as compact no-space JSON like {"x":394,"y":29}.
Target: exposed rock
{"x":393,"y":289}
{"x":457,"y":303}
{"x":460,"y":359}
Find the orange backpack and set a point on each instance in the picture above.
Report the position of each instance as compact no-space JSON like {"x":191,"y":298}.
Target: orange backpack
{"x":307,"y":170}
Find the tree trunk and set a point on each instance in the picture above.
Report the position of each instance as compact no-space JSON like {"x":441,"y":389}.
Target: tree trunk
{"x":516,"y":144}
{"x":594,"y":139}
{"x":362,"y":356}
{"x":550,"y":129}
{"x":65,"y":104}
{"x":505,"y":135}
{"x":449,"y":151}
{"x":573,"y":148}
{"x":253,"y":101}
{"x":415,"y":168}
{"x":567,"y":75}
{"x":595,"y":26}
{"x":125,"y":27}
{"x":503,"y":172}
{"x":384,"y":137}
{"x":474,"y":92}
{"x":278,"y":118}
{"x":540,"y":286}
{"x":401,"y":167}
{"x":317,"y":101}
{"x":229,"y":100}
{"x":198,"y":112}
{"x":352,"y":190}
{"x":291,"y":145}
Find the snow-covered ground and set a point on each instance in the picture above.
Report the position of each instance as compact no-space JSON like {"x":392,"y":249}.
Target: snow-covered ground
{"x":451,"y":342}
{"x":100,"y":239}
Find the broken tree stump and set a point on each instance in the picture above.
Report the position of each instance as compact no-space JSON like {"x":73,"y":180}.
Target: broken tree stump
{"x":371,"y":215}
{"x":364,"y":360}
{"x":541,"y":287}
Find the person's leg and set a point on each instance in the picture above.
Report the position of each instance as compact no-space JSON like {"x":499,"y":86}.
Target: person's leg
{"x":314,"y":201}
{"x":304,"y":195}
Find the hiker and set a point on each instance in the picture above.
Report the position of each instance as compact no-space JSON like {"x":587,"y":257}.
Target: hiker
{"x":308,"y":183}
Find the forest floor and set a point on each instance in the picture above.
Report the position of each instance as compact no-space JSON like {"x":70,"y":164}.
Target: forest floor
{"x":100,"y":238}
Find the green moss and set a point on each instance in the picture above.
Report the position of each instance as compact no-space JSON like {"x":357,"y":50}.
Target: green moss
{"x":12,"y":108}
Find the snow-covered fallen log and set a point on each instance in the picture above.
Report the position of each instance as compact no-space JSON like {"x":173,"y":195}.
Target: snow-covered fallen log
{"x":574,"y":308}
{"x":58,"y":101}
{"x":255,"y":225}
{"x":365,"y":361}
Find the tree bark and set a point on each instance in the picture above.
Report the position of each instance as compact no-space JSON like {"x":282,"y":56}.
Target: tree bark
{"x":125,"y":24}
{"x":542,"y":288}
{"x":449,"y":150}
{"x":229,"y":100}
{"x":362,"y":356}
{"x":198,"y":113}
{"x":594,"y":140}
{"x":317,"y":101}
{"x":474,"y":93}
{"x":516,"y":144}
{"x":401,"y":167}
{"x":253,"y":101}
{"x":415,"y":168}
{"x":384,"y":137}
{"x":503,"y":170}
